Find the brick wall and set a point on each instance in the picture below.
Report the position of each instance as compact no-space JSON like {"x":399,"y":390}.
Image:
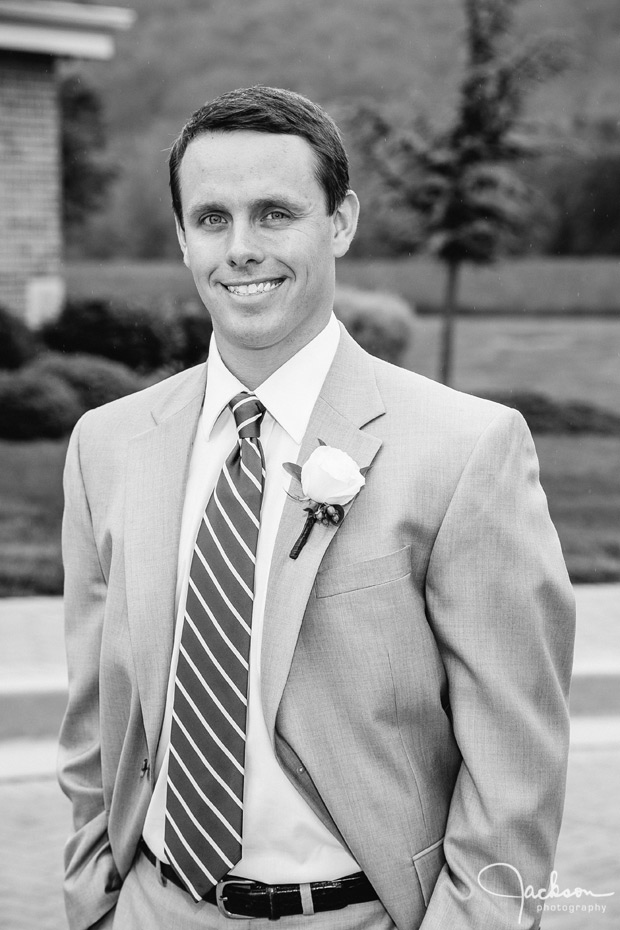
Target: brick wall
{"x":30,"y":226}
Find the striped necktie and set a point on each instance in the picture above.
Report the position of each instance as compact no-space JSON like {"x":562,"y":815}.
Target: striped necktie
{"x":204,"y":805}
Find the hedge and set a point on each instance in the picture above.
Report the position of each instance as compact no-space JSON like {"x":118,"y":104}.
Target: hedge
{"x":195,"y":328}
{"x":36,"y":405}
{"x":17,"y":343}
{"x":381,"y":323}
{"x":139,"y":337}
{"x":146,"y":339}
{"x":95,"y":381}
{"x":546,"y":415}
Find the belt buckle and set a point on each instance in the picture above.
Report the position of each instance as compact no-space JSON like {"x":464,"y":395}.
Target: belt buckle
{"x":220,"y":898}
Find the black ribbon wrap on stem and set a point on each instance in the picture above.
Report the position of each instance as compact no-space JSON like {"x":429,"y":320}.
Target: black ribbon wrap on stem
{"x":317,"y":513}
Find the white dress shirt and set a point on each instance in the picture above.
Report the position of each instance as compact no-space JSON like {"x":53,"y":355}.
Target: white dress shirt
{"x":283,"y":839}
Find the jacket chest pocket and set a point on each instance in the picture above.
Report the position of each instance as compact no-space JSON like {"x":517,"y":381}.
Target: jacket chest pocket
{"x":365,"y":574}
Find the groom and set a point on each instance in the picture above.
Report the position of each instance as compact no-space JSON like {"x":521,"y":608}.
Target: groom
{"x":344,"y":732}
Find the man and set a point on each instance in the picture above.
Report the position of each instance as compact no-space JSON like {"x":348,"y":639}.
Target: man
{"x":367,"y":727}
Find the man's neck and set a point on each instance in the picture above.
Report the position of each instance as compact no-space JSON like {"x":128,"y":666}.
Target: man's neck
{"x":251,"y":370}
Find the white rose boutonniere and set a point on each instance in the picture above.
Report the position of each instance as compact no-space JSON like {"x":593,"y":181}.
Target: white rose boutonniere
{"x":329,"y":479}
{"x":331,"y":476}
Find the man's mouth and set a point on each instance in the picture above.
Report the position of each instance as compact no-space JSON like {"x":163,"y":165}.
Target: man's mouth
{"x":259,"y":287}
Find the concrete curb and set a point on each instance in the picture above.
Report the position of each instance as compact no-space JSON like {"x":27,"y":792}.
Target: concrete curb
{"x":31,"y":714}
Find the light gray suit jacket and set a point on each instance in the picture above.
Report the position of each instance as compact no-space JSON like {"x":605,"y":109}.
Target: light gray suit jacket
{"x":415,"y":662}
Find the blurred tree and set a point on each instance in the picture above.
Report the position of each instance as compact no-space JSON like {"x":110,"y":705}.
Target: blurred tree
{"x":461,"y":182}
{"x":136,"y":221}
{"x":86,"y":173}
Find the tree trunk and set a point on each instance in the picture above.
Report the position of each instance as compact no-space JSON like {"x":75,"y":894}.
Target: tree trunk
{"x":449,"y":315}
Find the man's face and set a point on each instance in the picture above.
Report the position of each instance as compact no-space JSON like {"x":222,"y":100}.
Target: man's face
{"x":259,"y":241}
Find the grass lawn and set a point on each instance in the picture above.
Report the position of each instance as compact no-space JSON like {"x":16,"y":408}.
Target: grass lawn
{"x":580,"y":475}
{"x":567,"y":359}
{"x":31,"y":502}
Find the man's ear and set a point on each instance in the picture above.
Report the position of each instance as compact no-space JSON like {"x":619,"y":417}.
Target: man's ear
{"x":182,"y":241}
{"x":345,"y":223}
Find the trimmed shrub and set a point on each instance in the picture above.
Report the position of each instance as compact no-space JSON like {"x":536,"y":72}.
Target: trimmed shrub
{"x":381,"y":323}
{"x":36,"y":406}
{"x":17,"y":343}
{"x":544,"y":415}
{"x":195,"y":328}
{"x":138,"y":337}
{"x":95,"y":381}
{"x":31,"y":570}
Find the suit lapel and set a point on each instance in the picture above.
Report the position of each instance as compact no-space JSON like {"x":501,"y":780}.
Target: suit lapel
{"x":349,"y":400}
{"x":157,"y":468}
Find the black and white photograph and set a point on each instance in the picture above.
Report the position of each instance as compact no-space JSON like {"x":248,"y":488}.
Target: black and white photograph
{"x":309,"y":464}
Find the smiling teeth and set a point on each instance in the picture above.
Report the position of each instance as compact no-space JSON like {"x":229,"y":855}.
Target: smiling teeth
{"x":242,"y":290}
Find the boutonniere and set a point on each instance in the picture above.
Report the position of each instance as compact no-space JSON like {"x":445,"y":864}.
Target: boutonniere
{"x":329,"y":479}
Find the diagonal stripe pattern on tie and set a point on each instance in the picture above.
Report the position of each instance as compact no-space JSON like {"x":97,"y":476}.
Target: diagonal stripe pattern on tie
{"x":204,"y":803}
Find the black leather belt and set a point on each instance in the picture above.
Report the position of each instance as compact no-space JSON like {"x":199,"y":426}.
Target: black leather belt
{"x":242,"y":898}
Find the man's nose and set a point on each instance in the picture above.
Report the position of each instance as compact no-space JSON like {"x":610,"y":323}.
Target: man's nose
{"x":244,"y":245}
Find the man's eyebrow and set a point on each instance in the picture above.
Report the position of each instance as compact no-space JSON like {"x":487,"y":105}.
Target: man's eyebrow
{"x":266,"y":203}
{"x":206,"y":206}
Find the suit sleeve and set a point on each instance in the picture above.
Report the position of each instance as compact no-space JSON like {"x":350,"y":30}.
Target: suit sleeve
{"x":502,"y":610}
{"x":91,"y":879}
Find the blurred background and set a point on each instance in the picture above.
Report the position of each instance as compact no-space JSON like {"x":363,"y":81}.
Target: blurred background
{"x":484,"y":138}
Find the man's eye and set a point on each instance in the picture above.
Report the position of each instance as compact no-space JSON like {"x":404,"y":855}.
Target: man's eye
{"x":276,"y":215}
{"x":212,"y":219}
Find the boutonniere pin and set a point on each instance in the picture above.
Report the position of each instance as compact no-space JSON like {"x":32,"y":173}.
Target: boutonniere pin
{"x":329,"y":479}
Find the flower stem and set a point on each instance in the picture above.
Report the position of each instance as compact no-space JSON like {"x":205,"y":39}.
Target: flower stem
{"x":301,"y":542}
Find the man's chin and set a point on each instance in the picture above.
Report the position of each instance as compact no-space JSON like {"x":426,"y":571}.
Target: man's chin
{"x":260,"y":340}
{"x":251,"y":334}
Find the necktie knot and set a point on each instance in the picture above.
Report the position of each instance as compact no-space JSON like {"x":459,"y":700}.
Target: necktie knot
{"x":248,"y":413}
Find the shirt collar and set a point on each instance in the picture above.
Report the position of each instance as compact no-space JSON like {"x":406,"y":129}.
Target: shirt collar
{"x":289,"y":394}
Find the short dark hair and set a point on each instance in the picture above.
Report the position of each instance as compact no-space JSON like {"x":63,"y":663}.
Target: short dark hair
{"x":273,"y":110}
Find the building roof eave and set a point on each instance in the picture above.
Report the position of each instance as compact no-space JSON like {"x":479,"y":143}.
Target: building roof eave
{"x":74,"y":15}
{"x":61,"y":29}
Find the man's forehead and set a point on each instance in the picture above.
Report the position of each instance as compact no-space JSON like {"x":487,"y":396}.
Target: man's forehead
{"x":241,"y":154}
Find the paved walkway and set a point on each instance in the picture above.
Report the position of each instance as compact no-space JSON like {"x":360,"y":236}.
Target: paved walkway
{"x":35,"y":817}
